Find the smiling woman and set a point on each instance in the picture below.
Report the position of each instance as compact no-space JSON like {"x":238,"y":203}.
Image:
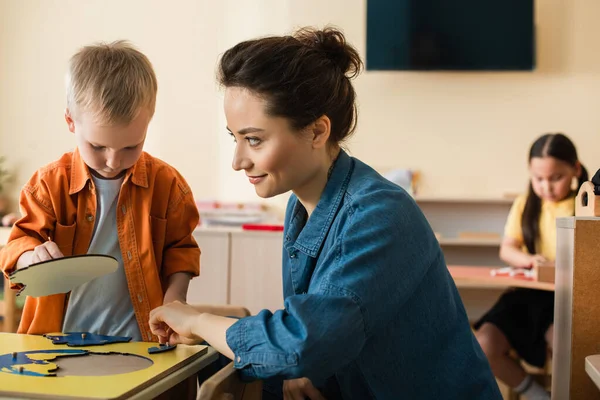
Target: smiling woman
{"x":371,"y":311}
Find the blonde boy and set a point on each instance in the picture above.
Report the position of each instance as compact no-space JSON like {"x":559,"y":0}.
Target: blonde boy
{"x":107,"y":197}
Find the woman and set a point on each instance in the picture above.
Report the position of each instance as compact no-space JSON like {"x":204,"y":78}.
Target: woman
{"x":371,"y":311}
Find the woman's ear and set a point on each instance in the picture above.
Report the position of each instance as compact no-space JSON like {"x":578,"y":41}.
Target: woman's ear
{"x":320,"y":131}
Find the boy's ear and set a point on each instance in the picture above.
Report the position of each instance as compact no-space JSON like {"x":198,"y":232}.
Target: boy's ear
{"x":321,"y":129}
{"x":69,"y":119}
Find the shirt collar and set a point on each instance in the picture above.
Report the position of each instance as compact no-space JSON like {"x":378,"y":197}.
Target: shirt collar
{"x":310,"y":237}
{"x":80,"y":173}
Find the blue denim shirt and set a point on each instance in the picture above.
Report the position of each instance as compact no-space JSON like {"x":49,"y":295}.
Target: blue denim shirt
{"x":368,"y":300}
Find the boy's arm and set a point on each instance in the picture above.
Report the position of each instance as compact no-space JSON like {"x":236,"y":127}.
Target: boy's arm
{"x":31,"y":230}
{"x":177,"y":287}
{"x":181,"y":256}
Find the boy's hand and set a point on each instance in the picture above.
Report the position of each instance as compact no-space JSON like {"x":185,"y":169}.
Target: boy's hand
{"x":46,"y":251}
{"x":300,"y":389}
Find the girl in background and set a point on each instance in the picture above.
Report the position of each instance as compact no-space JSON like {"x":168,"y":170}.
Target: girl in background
{"x":522,"y":319}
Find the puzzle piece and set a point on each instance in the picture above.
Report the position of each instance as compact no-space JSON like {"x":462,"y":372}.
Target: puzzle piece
{"x":35,"y":363}
{"x":162,"y":347}
{"x":74,"y":339}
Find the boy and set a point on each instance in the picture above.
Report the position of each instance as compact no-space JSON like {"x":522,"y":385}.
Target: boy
{"x":107,"y":197}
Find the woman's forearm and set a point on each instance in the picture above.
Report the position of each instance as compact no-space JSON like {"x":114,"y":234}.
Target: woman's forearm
{"x":213,"y":329}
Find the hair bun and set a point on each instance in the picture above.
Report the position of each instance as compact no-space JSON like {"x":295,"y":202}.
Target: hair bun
{"x":332,"y":43}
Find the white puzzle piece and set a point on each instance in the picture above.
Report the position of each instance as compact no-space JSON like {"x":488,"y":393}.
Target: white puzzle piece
{"x":61,"y":275}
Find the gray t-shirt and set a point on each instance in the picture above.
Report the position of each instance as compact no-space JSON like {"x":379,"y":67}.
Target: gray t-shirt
{"x":103,"y":306}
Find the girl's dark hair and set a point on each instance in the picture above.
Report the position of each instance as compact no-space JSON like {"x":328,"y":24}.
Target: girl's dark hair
{"x":554,"y":145}
{"x":301,"y":77}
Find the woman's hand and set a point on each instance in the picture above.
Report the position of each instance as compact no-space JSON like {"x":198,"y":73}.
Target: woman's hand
{"x":300,"y":389}
{"x":175,"y":323}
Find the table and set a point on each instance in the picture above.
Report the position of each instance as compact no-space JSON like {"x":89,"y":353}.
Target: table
{"x":476,"y":277}
{"x":159,"y":373}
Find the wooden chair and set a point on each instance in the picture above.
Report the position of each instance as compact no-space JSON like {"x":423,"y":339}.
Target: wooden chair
{"x":226,"y":383}
{"x":9,"y":311}
{"x":543,"y":376}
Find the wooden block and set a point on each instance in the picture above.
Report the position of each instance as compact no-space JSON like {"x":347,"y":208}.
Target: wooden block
{"x":587,"y":204}
{"x":545,"y":273}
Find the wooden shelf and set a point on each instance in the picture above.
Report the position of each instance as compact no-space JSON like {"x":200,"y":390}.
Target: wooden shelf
{"x":482,"y":242}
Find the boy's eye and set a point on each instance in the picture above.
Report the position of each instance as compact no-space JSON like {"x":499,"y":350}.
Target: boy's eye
{"x":131,"y":148}
{"x":97,"y":148}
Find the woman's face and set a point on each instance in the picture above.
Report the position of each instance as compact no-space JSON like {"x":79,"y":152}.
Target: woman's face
{"x":274,"y":157}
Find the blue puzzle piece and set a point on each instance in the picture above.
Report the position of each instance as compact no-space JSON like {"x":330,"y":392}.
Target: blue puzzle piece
{"x":162,"y":347}
{"x":16,"y":363}
{"x":86,"y":339}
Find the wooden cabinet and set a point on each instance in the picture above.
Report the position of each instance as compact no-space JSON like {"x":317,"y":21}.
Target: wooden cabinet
{"x":256,"y":281}
{"x":212,"y":286}
{"x":576,"y":307}
{"x":239,"y":267}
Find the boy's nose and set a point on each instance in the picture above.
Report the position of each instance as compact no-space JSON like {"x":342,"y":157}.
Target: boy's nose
{"x":112,"y":162}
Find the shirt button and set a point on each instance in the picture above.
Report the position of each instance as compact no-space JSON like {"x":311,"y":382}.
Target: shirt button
{"x":293,"y":255}
{"x":140,"y":298}
{"x":124,"y":209}
{"x":149,"y":336}
{"x":239,"y":359}
{"x":129,"y":257}
{"x":89,"y":217}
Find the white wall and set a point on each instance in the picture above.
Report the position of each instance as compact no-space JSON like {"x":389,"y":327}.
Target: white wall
{"x":467,"y":132}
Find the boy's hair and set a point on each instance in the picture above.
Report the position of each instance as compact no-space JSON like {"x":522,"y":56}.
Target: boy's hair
{"x":114,"y":81}
{"x":555,"y":145}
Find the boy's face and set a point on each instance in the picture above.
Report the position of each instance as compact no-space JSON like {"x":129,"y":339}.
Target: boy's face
{"x":109,"y":149}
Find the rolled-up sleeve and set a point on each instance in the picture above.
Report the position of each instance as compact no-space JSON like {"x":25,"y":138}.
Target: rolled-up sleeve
{"x":299,"y":340}
{"x":32,"y":228}
{"x":181,"y":253}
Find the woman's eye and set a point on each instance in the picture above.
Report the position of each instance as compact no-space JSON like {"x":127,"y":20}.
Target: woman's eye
{"x":253,"y":141}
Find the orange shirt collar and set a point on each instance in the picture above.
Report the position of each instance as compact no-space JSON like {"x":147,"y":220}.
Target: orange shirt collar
{"x":80,"y":173}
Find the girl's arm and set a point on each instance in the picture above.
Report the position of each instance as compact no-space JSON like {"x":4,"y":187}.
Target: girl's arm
{"x":511,"y":253}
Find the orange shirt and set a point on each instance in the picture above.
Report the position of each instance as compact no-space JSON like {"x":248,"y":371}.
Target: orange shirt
{"x":156,"y":216}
